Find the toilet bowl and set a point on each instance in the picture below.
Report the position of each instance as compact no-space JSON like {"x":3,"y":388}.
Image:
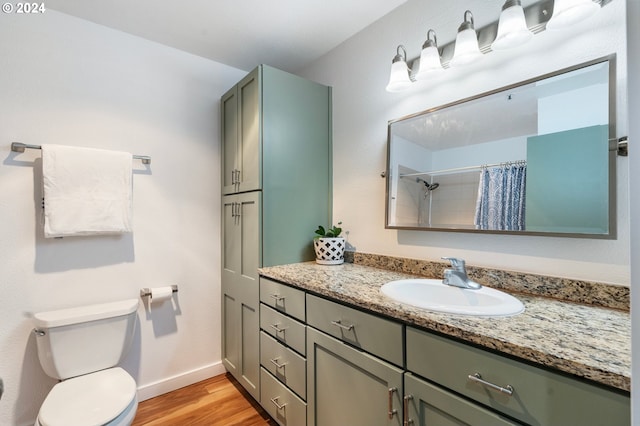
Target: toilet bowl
{"x":82,"y":347}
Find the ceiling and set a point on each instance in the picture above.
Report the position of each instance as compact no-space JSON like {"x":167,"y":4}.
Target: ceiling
{"x":288,"y":34}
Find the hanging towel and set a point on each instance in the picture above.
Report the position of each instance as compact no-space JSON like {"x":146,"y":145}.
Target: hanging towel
{"x":86,"y":191}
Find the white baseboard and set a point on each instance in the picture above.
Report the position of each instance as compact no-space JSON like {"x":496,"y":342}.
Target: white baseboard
{"x":179,"y":381}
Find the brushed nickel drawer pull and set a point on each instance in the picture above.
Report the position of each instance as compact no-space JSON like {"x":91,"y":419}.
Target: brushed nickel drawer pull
{"x":275,"y":362}
{"x":342,"y":326}
{"x":277,"y":328}
{"x":276,"y":297}
{"x":405,"y":408}
{"x":275,"y":402}
{"x":476,"y":377}
{"x":392,"y":411}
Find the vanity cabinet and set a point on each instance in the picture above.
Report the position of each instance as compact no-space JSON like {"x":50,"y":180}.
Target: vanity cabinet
{"x":276,"y":185}
{"x":538,"y":396}
{"x":283,"y":352}
{"x":366,"y":369}
{"x":426,"y":404}
{"x":347,"y":386}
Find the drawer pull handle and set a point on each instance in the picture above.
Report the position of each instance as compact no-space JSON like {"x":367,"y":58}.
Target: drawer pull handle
{"x":342,"y":326}
{"x":275,"y":362}
{"x":476,"y":377}
{"x":405,"y":408}
{"x":278,"y":329}
{"x":276,"y":297}
{"x":275,"y":402}
{"x":391,"y":411}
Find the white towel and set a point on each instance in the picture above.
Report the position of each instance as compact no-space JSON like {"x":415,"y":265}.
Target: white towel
{"x":86,"y":191}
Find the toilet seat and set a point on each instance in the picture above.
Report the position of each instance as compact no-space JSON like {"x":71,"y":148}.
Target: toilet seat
{"x":90,"y":400}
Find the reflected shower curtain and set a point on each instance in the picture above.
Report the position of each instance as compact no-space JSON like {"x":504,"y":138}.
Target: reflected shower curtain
{"x":501,"y":193}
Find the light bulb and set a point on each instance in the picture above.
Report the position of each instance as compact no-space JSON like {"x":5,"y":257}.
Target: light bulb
{"x":466,"y":49}
{"x":569,"y":12}
{"x":512,"y":27}
{"x":399,"y":77}
{"x":430,"y":65}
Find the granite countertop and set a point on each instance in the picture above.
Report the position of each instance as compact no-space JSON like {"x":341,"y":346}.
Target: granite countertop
{"x":586,"y":341}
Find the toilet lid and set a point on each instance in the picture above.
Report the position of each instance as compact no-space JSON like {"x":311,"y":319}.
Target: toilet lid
{"x":90,"y":400}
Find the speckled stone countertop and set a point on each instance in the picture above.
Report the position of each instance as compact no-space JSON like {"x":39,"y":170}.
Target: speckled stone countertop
{"x":586,"y":341}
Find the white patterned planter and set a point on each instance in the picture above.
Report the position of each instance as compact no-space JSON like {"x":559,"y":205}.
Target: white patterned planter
{"x":329,"y":251}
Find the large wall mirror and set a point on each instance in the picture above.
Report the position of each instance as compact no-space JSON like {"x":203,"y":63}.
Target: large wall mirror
{"x":536,"y":157}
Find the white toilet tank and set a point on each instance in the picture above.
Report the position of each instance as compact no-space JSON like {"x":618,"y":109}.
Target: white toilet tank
{"x":76,"y":341}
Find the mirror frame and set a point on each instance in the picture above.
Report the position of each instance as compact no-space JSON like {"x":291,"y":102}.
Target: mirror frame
{"x":613,"y":153}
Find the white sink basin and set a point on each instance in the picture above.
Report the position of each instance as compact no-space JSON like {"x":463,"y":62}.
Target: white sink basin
{"x":435,"y":296}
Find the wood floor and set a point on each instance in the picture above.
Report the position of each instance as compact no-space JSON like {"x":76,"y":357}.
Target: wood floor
{"x":219,"y":401}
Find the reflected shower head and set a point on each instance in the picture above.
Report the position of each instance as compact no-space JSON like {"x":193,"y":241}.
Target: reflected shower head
{"x":430,"y":187}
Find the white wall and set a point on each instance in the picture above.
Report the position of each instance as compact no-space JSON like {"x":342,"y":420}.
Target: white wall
{"x":68,"y":81}
{"x":633,"y":71}
{"x":358,"y":70}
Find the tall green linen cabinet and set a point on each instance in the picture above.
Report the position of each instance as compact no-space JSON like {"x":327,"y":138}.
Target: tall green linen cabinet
{"x":276,"y":186}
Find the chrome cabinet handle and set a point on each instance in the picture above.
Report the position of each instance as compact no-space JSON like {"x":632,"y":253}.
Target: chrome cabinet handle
{"x":239,"y":210}
{"x":476,"y":377}
{"x":277,"y":328}
{"x":391,"y":411}
{"x":275,"y":402}
{"x":405,"y":409}
{"x":275,"y":362}
{"x":277,"y":297}
{"x":338,"y":323}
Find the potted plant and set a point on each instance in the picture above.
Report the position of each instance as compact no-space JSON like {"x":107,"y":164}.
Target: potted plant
{"x":329,"y":245}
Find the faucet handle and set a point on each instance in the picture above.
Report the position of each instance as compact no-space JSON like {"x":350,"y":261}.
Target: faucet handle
{"x":456,"y":263}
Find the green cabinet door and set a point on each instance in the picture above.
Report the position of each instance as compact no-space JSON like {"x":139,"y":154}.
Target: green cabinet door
{"x":229,"y":137}
{"x":240,"y":289}
{"x":241,"y":136}
{"x":427,"y":404}
{"x":346,"y":386}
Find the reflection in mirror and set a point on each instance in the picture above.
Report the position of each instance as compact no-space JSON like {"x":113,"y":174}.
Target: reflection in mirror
{"x":530,"y":158}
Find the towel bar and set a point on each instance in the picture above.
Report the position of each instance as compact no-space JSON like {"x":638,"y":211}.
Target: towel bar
{"x":20,"y":147}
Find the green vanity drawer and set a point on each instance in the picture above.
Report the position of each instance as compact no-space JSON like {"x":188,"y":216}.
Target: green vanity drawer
{"x":283,"y":328}
{"x":281,"y":404}
{"x":284,"y":364}
{"x":540,"y":397}
{"x":371,"y":333}
{"x":430,"y":405}
{"x":283,"y":298}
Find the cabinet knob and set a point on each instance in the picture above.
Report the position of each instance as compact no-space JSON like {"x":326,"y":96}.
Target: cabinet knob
{"x":338,"y":323}
{"x":391,"y":411}
{"x":277,"y":328}
{"x":405,"y":409}
{"x":476,"y":377}
{"x":275,"y":362}
{"x":277,"y":297}
{"x":275,"y":402}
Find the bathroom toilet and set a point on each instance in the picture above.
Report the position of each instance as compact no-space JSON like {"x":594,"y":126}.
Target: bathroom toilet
{"x":82,"y":347}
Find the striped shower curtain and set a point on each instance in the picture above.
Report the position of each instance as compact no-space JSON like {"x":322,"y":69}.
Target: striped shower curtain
{"x":501,"y":198}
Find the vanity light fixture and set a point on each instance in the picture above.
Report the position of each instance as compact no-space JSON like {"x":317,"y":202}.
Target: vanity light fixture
{"x":399,"y":79}
{"x":467,"y":49}
{"x":430,"y":64}
{"x":569,"y":12}
{"x":512,"y":27}
{"x":516,"y":26}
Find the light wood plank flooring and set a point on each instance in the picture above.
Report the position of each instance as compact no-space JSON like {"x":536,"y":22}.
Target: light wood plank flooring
{"x":219,"y":401}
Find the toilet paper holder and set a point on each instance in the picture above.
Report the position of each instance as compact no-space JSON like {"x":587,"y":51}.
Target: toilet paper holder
{"x":146,"y":291}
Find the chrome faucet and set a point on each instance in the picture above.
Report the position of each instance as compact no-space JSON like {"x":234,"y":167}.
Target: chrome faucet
{"x":457,"y":275}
